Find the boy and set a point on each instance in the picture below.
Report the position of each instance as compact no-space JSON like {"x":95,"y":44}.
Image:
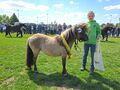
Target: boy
{"x":93,"y":33}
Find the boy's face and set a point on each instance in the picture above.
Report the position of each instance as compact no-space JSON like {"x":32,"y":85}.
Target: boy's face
{"x":91,"y":16}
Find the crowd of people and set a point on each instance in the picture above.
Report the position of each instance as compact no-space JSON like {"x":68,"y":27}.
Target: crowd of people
{"x":52,"y":28}
{"x":32,"y":28}
{"x":115,"y":32}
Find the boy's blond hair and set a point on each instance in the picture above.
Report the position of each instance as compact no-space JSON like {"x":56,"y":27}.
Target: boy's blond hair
{"x":91,"y":12}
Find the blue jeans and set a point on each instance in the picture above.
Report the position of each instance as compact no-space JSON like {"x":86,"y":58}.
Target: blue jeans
{"x":86,"y":50}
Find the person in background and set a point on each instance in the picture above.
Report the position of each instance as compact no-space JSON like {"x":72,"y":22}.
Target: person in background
{"x":118,"y":31}
{"x":93,"y":32}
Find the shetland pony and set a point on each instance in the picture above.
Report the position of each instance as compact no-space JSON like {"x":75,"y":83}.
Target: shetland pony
{"x":15,"y":28}
{"x":53,"y":46}
{"x":104,"y":31}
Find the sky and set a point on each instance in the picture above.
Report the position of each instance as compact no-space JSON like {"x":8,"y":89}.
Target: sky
{"x":68,"y":11}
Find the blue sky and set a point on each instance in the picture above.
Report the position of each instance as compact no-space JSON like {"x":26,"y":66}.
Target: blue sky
{"x":69,"y":11}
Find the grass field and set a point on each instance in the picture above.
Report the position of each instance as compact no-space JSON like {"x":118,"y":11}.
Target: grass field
{"x":14,"y":76}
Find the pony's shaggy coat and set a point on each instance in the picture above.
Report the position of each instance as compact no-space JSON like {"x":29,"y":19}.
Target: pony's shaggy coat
{"x":51,"y":46}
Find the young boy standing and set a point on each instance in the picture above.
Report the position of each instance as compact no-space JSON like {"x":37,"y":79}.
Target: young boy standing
{"x":93,"y":33}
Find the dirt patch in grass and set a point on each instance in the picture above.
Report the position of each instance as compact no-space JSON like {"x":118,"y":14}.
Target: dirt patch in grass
{"x":8,"y":80}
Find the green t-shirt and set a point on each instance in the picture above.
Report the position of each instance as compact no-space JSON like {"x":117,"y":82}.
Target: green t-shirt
{"x":93,"y":32}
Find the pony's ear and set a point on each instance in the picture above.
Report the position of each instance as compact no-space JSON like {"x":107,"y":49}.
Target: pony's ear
{"x":74,"y":28}
{"x":83,"y":26}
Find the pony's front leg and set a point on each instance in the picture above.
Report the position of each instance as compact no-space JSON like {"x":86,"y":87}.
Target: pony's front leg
{"x":21,"y":34}
{"x":64,"y":72}
{"x":17,"y":34}
{"x":107,"y":37}
{"x":103,"y":36}
{"x":6,"y":33}
{"x":9,"y":34}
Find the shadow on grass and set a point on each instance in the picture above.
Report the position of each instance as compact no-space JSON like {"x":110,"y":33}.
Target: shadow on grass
{"x":108,"y":41}
{"x":56,"y":79}
{"x":13,"y":37}
{"x":102,"y":83}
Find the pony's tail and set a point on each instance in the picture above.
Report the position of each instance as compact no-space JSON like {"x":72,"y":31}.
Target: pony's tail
{"x":29,"y":55}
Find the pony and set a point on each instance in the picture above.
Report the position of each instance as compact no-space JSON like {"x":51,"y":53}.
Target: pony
{"x":53,"y":46}
{"x":15,"y":28}
{"x":104,"y":31}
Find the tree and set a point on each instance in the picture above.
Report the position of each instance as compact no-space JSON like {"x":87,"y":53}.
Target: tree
{"x":13,"y":19}
{"x":4,"y":19}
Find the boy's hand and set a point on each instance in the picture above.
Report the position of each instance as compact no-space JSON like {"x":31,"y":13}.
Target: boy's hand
{"x":98,"y":37}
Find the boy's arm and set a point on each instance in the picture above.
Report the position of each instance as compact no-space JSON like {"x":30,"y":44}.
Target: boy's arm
{"x":98,"y":31}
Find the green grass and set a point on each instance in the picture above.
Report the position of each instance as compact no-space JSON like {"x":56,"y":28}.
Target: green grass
{"x":14,"y":76}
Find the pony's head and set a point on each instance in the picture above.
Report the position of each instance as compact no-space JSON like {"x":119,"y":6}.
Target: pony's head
{"x":80,"y":32}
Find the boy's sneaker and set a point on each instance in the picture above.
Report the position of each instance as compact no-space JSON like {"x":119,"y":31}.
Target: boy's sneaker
{"x":82,"y":68}
{"x":91,"y":71}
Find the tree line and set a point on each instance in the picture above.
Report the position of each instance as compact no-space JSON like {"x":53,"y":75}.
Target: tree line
{"x":8,"y":20}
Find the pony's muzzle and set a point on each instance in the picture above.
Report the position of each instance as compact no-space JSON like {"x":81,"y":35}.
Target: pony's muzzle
{"x":84,"y":38}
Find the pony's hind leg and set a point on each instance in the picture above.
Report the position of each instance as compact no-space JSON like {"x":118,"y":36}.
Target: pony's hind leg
{"x":31,"y":57}
{"x":35,"y":66}
{"x":36,"y":52}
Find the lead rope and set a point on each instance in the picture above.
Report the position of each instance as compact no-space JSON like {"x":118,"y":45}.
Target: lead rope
{"x":77,"y":48}
{"x":76,"y":45}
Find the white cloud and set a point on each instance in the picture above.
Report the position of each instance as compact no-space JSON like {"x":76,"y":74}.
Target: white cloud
{"x":112,"y":7}
{"x":111,"y":18}
{"x":75,"y":14}
{"x":107,"y":0}
{"x":61,"y":17}
{"x":72,"y":2}
{"x":103,"y":0}
{"x":11,"y":4}
{"x":42,"y":8}
{"x":58,"y":6}
{"x":100,"y":0}
{"x":34,"y":19}
{"x":111,"y":15}
{"x":72,"y":17}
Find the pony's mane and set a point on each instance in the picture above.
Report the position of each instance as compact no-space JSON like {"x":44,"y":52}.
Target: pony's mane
{"x":71,"y":31}
{"x":69,"y":34}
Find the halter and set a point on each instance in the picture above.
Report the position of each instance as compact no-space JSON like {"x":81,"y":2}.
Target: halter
{"x":67,"y":46}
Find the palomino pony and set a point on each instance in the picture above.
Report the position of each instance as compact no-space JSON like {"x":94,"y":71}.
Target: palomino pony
{"x":15,"y":28}
{"x":53,"y":46}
